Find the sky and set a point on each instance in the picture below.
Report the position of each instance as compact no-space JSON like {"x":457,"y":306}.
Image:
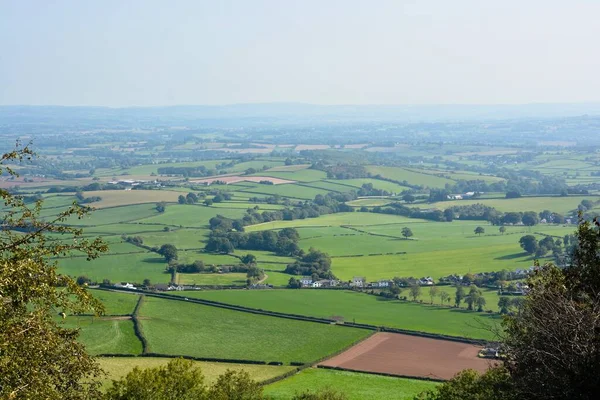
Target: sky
{"x":150,"y":53}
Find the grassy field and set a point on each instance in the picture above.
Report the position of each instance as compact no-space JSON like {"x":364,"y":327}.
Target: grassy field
{"x":118,"y":367}
{"x":106,"y":335}
{"x":360,"y":308}
{"x":113,"y":198}
{"x":354,"y":385}
{"x":339,"y":219}
{"x":303,"y":175}
{"x":287,"y":190}
{"x":377,"y":184}
{"x":232,"y":279}
{"x":372,"y":202}
{"x":562,"y":205}
{"x":174,"y":327}
{"x":116,"y":303}
{"x":118,"y":267}
{"x":411,"y":176}
{"x":191,"y":215}
{"x":113,"y":215}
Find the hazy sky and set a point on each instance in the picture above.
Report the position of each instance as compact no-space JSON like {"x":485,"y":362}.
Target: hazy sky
{"x":146,"y":52}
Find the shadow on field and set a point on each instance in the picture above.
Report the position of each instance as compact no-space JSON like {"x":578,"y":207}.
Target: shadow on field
{"x":512,"y":256}
{"x":154,"y":260}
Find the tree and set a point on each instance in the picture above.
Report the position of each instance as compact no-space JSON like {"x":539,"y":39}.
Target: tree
{"x":449,"y":215}
{"x":433,"y":291}
{"x":479,"y":230}
{"x":494,"y":384}
{"x":481,"y":302}
{"x":513,"y":194}
{"x":406,"y":232}
{"x":147,"y":283}
{"x":191,"y":198}
{"x":502,"y":229}
{"x":472,"y":297}
{"x":169,"y":252}
{"x":40,"y":358}
{"x":248,"y":259}
{"x":181,"y":199}
{"x":529,"y":243}
{"x":530,"y":218}
{"x":415,"y":291}
{"x":235,"y":385}
{"x":409,"y":198}
{"x":161,"y":207}
{"x":503,"y":304}
{"x":444,"y":297}
{"x":459,"y":295}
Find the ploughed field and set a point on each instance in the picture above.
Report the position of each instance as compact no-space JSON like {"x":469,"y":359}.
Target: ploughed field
{"x":407,"y":355}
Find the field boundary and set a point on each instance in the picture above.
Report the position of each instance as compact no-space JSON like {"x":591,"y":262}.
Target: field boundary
{"x":420,"y":378}
{"x":137,"y":326}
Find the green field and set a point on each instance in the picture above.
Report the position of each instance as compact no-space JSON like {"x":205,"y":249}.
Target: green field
{"x":106,"y":335}
{"x":360,"y":308}
{"x":562,"y":205}
{"x":118,"y":267}
{"x":411,"y":176}
{"x":173,"y":327}
{"x":355,"y":386}
{"x":116,"y":303}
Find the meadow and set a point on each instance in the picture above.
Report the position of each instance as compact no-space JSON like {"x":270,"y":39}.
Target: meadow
{"x":173,"y":327}
{"x":354,"y":385}
{"x":105,"y":335}
{"x":361,"y":308}
{"x":563,"y":205}
{"x":411,"y":176}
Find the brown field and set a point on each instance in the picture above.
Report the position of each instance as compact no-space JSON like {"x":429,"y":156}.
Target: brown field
{"x":237,"y":178}
{"x":112,"y":198}
{"x":407,"y":355}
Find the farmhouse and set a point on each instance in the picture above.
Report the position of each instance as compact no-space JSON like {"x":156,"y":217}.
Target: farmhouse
{"x":125,"y":286}
{"x":383,"y":283}
{"x":306,"y":281}
{"x":358,"y":281}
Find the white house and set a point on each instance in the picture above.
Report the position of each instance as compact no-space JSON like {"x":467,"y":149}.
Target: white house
{"x":383,"y":283}
{"x":306,"y":281}
{"x":125,"y":286}
{"x":426,"y":281}
{"x":358,"y":281}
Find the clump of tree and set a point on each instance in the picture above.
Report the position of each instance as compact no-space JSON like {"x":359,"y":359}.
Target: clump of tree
{"x":161,"y":207}
{"x":284,"y":242}
{"x":169,"y":252}
{"x":314,"y":263}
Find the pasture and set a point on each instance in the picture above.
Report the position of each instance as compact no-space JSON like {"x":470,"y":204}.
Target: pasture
{"x":562,"y":205}
{"x":413,"y":177}
{"x":114,"y":198}
{"x":174,"y":327}
{"x":355,"y":385}
{"x":360,"y":308}
{"x":105,"y":335}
